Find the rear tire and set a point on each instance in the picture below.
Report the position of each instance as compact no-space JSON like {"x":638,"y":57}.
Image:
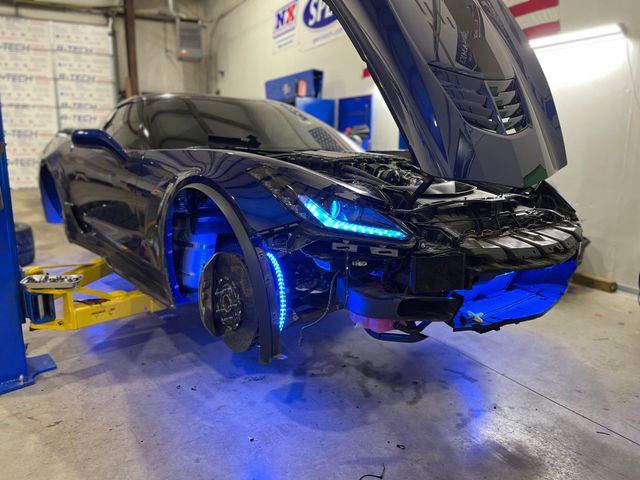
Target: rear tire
{"x":24,"y":244}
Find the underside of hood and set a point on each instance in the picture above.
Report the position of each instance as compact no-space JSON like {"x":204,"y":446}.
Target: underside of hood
{"x":463,"y":84}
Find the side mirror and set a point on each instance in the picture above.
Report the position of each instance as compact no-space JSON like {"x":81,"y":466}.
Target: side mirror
{"x":94,"y":138}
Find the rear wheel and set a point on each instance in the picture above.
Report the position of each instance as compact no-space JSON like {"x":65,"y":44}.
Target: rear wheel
{"x":25,"y":244}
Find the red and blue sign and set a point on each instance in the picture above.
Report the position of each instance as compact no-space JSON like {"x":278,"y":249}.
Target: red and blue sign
{"x":285,"y":19}
{"x":317,"y":14}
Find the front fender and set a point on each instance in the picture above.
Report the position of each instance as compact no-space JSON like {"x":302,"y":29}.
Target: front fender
{"x":259,"y":272}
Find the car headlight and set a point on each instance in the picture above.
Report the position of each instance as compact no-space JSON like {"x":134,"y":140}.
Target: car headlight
{"x":332,"y":204}
{"x":352,"y":218}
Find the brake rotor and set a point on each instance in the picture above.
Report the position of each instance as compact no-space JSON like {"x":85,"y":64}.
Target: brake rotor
{"x":231,"y":312}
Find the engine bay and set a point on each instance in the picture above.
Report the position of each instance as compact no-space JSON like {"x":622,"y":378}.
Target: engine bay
{"x":450,"y":215}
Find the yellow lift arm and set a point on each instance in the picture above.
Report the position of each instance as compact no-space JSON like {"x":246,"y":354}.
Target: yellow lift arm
{"x":101,"y":307}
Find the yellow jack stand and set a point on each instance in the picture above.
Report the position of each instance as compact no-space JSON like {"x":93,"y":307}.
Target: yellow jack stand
{"x":77,"y":314}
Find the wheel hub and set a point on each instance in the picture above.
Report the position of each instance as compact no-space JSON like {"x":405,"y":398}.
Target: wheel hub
{"x":228,"y":303}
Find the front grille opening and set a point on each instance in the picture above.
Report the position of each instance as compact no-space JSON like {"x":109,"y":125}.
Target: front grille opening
{"x":493,"y":105}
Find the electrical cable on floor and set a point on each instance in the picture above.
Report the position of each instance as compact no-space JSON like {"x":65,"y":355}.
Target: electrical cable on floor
{"x":324,"y":314}
{"x":371,"y":475}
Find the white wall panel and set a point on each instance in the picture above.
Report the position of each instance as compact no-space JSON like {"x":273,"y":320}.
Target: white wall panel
{"x":27,"y":92}
{"x":53,"y":75}
{"x":593,"y":86}
{"x":84,"y":73}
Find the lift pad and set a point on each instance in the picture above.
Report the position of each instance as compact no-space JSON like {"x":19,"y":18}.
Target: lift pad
{"x":41,"y":290}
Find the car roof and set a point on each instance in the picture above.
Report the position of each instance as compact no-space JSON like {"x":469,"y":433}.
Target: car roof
{"x":144,"y":97}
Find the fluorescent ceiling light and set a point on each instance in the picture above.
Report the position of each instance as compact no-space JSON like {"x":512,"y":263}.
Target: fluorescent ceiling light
{"x":581,"y":58}
{"x":613,"y":30}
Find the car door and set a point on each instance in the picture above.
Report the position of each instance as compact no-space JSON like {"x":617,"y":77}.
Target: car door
{"x":102,"y":184}
{"x":172,"y":126}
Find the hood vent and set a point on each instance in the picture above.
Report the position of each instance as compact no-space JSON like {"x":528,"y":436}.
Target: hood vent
{"x":507,"y":100}
{"x":492,"y":105}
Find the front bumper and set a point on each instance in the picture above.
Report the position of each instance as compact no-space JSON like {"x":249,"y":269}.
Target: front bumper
{"x":489,"y":304}
{"x":512,"y":297}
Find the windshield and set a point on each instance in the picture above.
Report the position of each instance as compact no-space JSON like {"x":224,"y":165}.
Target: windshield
{"x":182,"y":122}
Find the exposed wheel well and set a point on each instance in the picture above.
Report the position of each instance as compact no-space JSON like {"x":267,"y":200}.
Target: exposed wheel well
{"x":49,"y":197}
{"x":196,"y":229}
{"x":210,"y":208}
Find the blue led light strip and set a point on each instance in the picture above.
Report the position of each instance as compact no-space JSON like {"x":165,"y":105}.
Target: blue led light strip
{"x":282,"y":292}
{"x":330,"y":222}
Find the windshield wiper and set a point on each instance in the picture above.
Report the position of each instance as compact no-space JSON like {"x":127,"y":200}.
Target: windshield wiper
{"x":250,"y":142}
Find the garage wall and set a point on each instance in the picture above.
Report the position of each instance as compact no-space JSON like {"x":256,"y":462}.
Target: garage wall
{"x":158,"y":67}
{"x":598,"y":116}
{"x":594,"y":90}
{"x":579,"y":14}
{"x":243,"y":58}
{"x":66,"y":77}
{"x":53,"y":75}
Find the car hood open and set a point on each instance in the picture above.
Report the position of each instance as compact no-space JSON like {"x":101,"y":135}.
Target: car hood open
{"x":463,"y":84}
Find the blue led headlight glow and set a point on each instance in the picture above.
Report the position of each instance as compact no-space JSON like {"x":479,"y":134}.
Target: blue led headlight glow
{"x":329,"y":220}
{"x":282,"y":292}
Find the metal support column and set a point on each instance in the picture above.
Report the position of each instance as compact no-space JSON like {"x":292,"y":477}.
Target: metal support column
{"x":132,"y":55}
{"x":16,"y":370}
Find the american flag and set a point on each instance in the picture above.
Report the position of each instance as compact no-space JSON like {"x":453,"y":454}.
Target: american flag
{"x":538,"y":18}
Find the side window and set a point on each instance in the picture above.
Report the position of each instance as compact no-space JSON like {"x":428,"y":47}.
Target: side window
{"x":134,"y":123}
{"x":125,"y":126}
{"x":115,"y":124}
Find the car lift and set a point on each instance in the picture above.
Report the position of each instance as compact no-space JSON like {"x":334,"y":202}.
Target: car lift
{"x":34,"y":296}
{"x":43,"y":289}
{"x":16,"y":370}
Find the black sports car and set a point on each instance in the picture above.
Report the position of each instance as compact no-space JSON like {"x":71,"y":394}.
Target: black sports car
{"x":267,"y":217}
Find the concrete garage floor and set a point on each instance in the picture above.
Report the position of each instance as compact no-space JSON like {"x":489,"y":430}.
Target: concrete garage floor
{"x":156,"y":397}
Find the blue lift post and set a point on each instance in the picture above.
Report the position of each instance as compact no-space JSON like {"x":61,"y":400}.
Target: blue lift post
{"x":16,"y":370}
